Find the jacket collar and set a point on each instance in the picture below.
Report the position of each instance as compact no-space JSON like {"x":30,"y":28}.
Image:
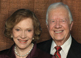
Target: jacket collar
{"x":11,"y":53}
{"x":33,"y":54}
{"x":75,"y":49}
{"x":49,"y":45}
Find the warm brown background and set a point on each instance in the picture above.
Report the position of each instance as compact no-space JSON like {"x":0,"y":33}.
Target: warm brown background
{"x":39,"y":7}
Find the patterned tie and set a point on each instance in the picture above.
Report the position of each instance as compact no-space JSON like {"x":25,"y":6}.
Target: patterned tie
{"x":57,"y":53}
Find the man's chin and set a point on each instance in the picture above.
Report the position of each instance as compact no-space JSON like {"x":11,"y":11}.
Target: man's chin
{"x":58,"y":39}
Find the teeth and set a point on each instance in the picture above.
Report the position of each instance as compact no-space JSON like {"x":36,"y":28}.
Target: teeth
{"x":58,"y":31}
{"x":22,"y":40}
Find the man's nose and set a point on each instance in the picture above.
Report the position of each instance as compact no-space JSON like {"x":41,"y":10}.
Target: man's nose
{"x":57,"y":24}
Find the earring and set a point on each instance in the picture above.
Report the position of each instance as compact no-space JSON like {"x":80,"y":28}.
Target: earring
{"x":11,"y":36}
{"x":33,"y":38}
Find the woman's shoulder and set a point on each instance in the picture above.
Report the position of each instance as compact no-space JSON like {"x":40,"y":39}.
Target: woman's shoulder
{"x":7,"y":53}
{"x":4,"y":51}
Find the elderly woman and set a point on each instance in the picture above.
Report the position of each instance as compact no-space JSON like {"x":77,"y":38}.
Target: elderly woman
{"x":24,"y":29}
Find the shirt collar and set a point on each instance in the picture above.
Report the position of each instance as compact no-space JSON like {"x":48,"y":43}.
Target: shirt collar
{"x":65,"y":47}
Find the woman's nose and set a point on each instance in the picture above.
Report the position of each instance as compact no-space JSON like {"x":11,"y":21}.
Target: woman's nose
{"x":23,"y":35}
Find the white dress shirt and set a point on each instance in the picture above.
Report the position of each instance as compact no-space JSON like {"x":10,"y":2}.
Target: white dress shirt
{"x":65,"y":48}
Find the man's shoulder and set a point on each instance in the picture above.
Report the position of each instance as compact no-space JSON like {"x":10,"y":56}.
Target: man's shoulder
{"x":43,"y":54}
{"x":75,"y":43}
{"x":45,"y":46}
{"x":44,"y":43}
{"x":75,"y":50}
{"x":76,"y":46}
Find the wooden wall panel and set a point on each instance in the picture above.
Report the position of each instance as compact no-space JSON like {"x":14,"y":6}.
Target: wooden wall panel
{"x":75,"y":7}
{"x":6,"y":9}
{"x":39,"y":7}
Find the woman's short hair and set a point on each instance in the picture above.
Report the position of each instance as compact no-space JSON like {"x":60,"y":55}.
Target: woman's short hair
{"x":19,"y":15}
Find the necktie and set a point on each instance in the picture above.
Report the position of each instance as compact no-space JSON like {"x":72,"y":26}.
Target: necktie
{"x":57,"y":53}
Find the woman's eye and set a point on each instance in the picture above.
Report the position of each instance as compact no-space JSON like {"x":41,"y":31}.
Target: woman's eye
{"x":29,"y":30}
{"x":17,"y":29}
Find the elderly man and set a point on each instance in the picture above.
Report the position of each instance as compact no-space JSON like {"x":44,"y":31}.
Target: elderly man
{"x":59,"y":23}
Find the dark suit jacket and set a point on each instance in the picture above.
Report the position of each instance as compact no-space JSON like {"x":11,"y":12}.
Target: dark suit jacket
{"x":35,"y":53}
{"x":74,"y":51}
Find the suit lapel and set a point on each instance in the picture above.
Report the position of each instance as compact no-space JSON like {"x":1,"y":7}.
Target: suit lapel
{"x":48,"y":46}
{"x":45,"y":46}
{"x":73,"y":53}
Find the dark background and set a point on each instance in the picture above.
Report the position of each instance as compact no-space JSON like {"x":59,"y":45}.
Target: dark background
{"x":39,"y":7}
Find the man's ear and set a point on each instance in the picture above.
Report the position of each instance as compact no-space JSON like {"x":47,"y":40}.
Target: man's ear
{"x":71,"y":25}
{"x":47,"y":25}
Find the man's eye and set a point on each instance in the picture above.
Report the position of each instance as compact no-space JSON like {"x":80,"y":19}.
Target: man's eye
{"x":63,"y":20}
{"x":53,"y":21}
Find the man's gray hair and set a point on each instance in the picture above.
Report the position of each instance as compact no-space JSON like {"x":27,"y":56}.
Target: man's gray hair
{"x":55,"y":5}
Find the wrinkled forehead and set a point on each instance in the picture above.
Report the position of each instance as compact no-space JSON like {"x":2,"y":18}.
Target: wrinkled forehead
{"x":58,"y":12}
